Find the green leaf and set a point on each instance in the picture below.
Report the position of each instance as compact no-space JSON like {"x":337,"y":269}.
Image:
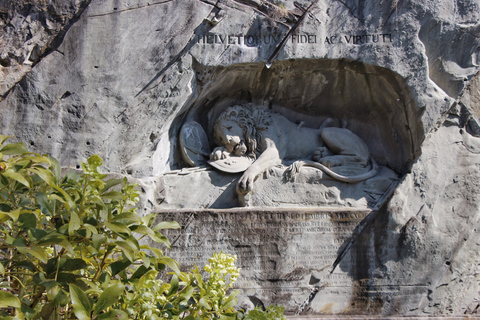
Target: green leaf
{"x":67,"y":277}
{"x":73,"y":264}
{"x":109,"y":297}
{"x":91,"y":228}
{"x":111,"y":183}
{"x":55,"y":197}
{"x":119,"y":266}
{"x":128,"y":249}
{"x":174,"y":284}
{"x":74,"y":223}
{"x":19,"y":242}
{"x":3,"y":217}
{"x":140,"y":229}
{"x":57,"y":168}
{"x":44,"y":174}
{"x":37,"y":234}
{"x":47,"y":310}
{"x":49,"y":267}
{"x":157,"y":252}
{"x":127,"y":218}
{"x":204,"y":302}
{"x":57,"y":295}
{"x":15,"y":176}
{"x":2,"y":269}
{"x":82,"y":306}
{"x":139,"y":272}
{"x":98,"y":240}
{"x":12,"y":214}
{"x":37,"y":252}
{"x":187,"y":294}
{"x":113,"y":195}
{"x":68,"y":200}
{"x":26,"y":265}
{"x":167,"y":225}
{"x":27,"y":221}
{"x":9,"y":300}
{"x":14,"y":149}
{"x":118,"y":228}
{"x":114,"y":314}
{"x":4,"y":138}
{"x":171,"y":263}
{"x":59,"y":240}
{"x":230,"y":302}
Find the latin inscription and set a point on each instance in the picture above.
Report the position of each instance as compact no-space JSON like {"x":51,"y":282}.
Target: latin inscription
{"x":280,"y":252}
{"x":271,"y":244}
{"x":379,"y":38}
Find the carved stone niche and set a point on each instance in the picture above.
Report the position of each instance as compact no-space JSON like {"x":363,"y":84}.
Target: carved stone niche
{"x":372,"y":103}
{"x":294,"y":240}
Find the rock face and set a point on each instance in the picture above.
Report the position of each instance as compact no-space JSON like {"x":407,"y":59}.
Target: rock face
{"x":121,"y":78}
{"x":31,"y":30}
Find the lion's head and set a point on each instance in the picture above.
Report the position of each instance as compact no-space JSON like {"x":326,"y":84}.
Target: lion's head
{"x":253,"y":123}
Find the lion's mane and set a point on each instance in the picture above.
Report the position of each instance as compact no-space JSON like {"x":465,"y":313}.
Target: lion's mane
{"x":254,"y":122}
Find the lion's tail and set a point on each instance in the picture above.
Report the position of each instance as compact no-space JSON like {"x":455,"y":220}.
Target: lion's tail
{"x":295,"y":168}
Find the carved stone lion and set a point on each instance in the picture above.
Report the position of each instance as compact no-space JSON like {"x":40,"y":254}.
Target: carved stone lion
{"x":268,"y":138}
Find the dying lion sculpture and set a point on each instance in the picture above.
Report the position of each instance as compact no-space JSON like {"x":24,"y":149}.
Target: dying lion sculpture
{"x":268,"y":138}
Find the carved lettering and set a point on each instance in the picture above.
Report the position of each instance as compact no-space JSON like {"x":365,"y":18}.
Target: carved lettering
{"x":267,"y":243}
{"x":301,"y":39}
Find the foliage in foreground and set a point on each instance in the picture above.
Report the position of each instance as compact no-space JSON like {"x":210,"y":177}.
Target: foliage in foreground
{"x":69,"y":248}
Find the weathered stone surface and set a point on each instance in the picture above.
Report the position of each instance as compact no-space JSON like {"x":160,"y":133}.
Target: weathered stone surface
{"x":120,"y":78}
{"x":31,"y":30}
{"x":285,"y":255}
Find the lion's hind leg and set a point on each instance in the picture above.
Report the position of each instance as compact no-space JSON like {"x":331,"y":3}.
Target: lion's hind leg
{"x":347,"y":148}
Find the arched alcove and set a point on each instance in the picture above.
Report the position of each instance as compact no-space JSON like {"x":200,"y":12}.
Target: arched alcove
{"x":375,"y":102}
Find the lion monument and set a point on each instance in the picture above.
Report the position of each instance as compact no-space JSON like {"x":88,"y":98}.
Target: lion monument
{"x":268,"y":138}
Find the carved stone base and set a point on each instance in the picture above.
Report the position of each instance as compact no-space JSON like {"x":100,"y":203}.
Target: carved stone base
{"x":309,"y":260}
{"x":207,"y":188}
{"x":313,"y":188}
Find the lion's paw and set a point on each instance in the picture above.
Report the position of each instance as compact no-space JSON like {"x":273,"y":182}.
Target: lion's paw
{"x":219,"y":153}
{"x":320,"y":153}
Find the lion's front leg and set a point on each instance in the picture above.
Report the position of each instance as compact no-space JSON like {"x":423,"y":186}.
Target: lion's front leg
{"x":269,"y":158}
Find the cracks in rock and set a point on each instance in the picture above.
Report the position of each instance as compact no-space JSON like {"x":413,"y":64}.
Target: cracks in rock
{"x":309,"y":299}
{"x":210,"y":3}
{"x":53,"y":45}
{"x":389,"y":16}
{"x":221,"y":54}
{"x":129,"y":9}
{"x":284,"y":40}
{"x":361,"y":227}
{"x":351,"y":12}
{"x":270,"y":10}
{"x":203,"y":28}
{"x":364,"y":224}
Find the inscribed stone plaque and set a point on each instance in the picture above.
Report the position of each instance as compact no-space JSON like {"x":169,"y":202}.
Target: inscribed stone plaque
{"x":286,"y":256}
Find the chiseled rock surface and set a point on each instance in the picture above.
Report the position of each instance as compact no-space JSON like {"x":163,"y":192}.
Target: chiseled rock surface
{"x":118,"y":78}
{"x":31,"y":30}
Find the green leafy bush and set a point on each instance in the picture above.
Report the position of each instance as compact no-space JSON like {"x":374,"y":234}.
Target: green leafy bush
{"x":70,"y":243}
{"x":69,"y":248}
{"x":188,"y":296}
